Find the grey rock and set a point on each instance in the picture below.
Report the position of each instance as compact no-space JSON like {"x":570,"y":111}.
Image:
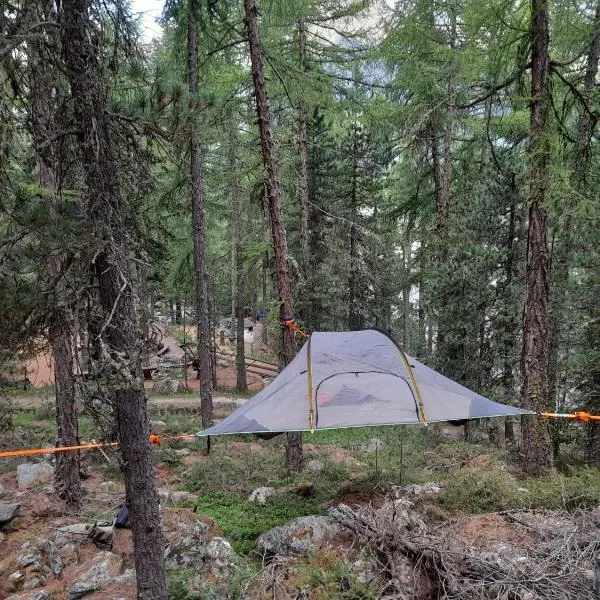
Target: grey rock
{"x":76,"y":529}
{"x":220,"y":552}
{"x":188,"y":548}
{"x":30,"y":473}
{"x":15,"y":576}
{"x":372,"y":446}
{"x":39,"y":595}
{"x":127,"y":578}
{"x":42,"y":555}
{"x":110,"y":486}
{"x":2,"y":490}
{"x":183,"y":452}
{"x":82,"y":588}
{"x":96,"y":577}
{"x":8,"y":512}
{"x":261,"y":494}
{"x":315,"y":467}
{"x":33,"y":583}
{"x":427,"y":489}
{"x":158,"y":427}
{"x":298,"y":537}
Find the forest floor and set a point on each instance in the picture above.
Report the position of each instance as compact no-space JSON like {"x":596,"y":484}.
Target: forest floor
{"x":473,"y":495}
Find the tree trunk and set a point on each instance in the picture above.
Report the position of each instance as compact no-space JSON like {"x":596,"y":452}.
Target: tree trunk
{"x":197,"y":183}
{"x":303,"y":169}
{"x":103,"y":207}
{"x":564,"y":248}
{"x":67,"y":481}
{"x":294,"y":454}
{"x":536,"y":449}
{"x":593,"y":444}
{"x":354,"y":320}
{"x":509,"y":430}
{"x":579,"y":170}
{"x":238,"y":267}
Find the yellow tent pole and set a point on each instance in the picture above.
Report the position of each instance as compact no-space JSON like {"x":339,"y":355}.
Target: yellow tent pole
{"x":414,"y":385}
{"x":311,"y":411}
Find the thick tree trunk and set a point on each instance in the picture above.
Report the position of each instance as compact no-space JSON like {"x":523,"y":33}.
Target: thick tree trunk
{"x":67,"y":481}
{"x":536,"y":449}
{"x":197,"y":184}
{"x":294,"y":454}
{"x":118,"y":339}
{"x":238,"y":266}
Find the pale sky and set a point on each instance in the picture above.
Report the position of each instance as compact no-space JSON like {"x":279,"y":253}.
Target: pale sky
{"x":148,"y":11}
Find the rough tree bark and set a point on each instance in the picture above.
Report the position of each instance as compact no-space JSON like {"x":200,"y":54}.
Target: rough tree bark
{"x":293,"y":454}
{"x":237,"y":276}
{"x":536,"y":449}
{"x":197,"y":184}
{"x":67,"y":481}
{"x":103,"y":207}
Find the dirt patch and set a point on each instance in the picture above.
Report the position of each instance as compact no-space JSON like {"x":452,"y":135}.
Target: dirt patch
{"x":361,"y":494}
{"x":335,"y":454}
{"x":488,"y":531}
{"x":480,"y":461}
{"x":245,"y":448}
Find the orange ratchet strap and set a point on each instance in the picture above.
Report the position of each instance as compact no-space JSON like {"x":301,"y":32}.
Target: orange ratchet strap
{"x":154,"y":439}
{"x":291,"y":323}
{"x":581,"y":416}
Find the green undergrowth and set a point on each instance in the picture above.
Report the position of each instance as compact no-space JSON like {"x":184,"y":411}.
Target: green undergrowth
{"x":188,"y":584}
{"x":243,"y":521}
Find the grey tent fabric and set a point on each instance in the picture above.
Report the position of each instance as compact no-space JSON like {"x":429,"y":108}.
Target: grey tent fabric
{"x":359,"y":378}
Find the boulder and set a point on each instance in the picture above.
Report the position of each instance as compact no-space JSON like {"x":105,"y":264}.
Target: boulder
{"x":219,"y":557}
{"x":40,"y":558}
{"x":2,"y":490}
{"x":372,"y":446}
{"x":182,"y":452}
{"x":298,"y":537}
{"x":8,"y":512}
{"x":97,"y":574}
{"x":261,"y":494}
{"x":188,"y":546}
{"x":30,"y":473}
{"x":315,"y":467}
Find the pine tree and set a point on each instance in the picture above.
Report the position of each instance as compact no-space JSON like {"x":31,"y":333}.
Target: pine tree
{"x":103,"y":207}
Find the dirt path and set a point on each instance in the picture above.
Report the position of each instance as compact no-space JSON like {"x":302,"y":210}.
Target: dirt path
{"x":176,"y":402}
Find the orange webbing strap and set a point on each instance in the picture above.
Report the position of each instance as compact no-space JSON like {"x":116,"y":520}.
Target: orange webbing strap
{"x":294,"y":327}
{"x":154,"y":439}
{"x":33,"y":451}
{"x":583,"y":417}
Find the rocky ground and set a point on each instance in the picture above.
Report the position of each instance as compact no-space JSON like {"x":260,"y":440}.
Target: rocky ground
{"x":378,"y":513}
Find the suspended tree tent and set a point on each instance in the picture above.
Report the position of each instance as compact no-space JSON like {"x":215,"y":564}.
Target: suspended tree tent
{"x":356,"y":379}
